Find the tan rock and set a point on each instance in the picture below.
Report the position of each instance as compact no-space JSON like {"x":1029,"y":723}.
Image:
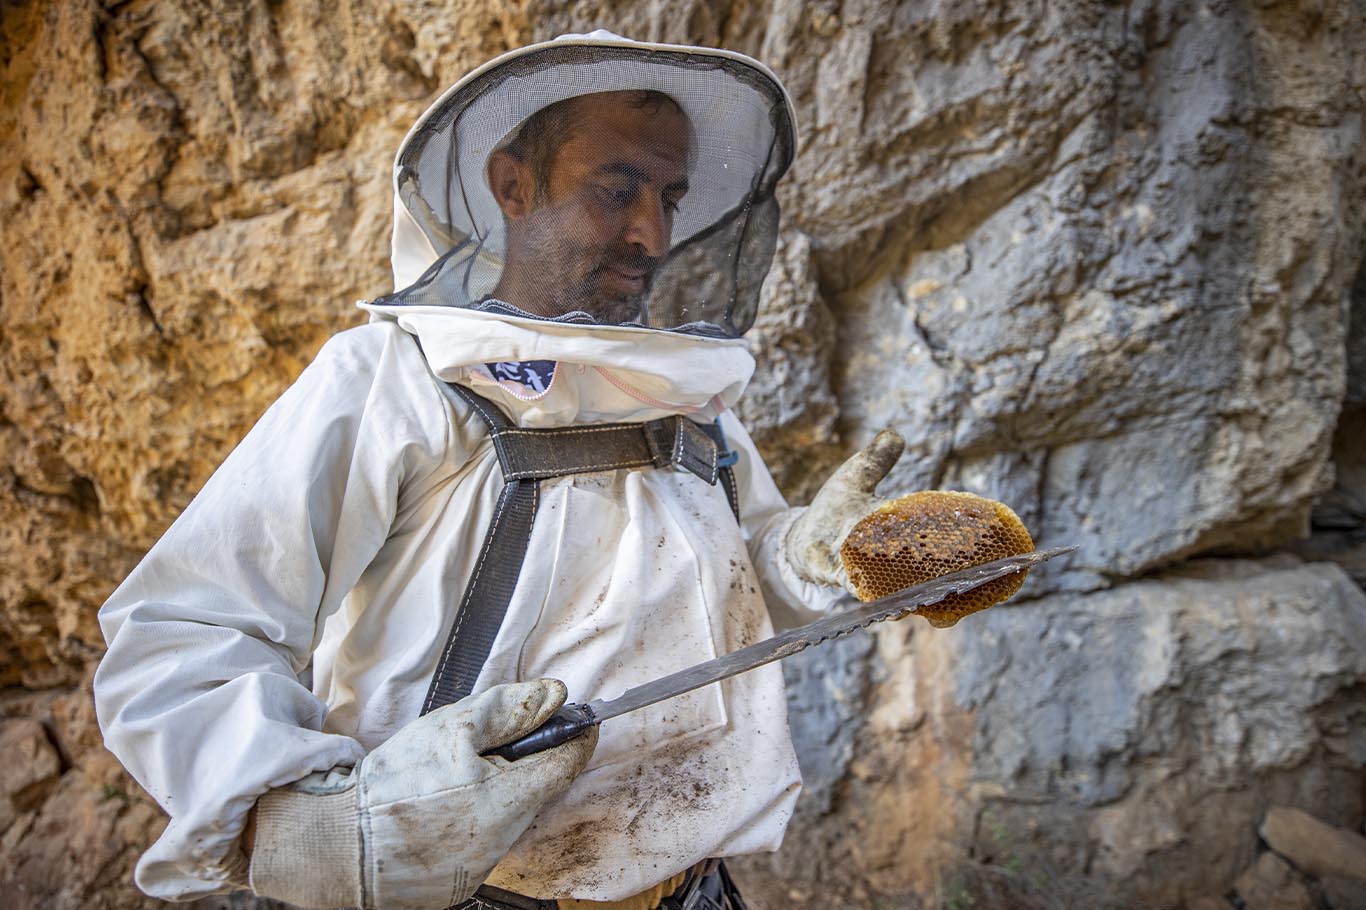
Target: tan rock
{"x":29,"y":758}
{"x":1271,"y":884}
{"x":1318,"y":848}
{"x":79,"y":849}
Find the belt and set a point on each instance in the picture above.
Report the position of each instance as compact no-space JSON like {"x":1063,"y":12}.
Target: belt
{"x":706,"y":886}
{"x":646,"y":900}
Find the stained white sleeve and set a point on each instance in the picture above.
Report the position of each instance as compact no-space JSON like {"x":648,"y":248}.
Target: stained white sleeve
{"x":765,"y":519}
{"x":200,"y":693}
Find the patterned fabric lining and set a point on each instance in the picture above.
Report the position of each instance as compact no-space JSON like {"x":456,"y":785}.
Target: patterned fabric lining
{"x":534,"y":375}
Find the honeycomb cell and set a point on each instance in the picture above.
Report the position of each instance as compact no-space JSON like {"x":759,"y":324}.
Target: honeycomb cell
{"x":919,"y":537}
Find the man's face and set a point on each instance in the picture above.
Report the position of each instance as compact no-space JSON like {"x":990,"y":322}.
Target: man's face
{"x":599,"y":221}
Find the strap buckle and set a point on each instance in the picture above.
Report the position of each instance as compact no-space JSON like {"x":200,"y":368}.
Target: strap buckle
{"x":678,"y":441}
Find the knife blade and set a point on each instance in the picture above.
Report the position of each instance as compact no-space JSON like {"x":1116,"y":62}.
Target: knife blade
{"x":572,"y":720}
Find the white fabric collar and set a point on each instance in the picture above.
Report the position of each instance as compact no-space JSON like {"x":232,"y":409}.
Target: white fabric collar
{"x":607,"y":373}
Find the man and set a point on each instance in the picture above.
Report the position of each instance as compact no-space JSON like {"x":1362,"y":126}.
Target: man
{"x":581,"y":229}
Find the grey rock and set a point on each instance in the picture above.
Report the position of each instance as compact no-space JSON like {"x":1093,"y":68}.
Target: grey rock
{"x":789,"y":408}
{"x":1225,"y":663}
{"x":1132,"y":713}
{"x":1345,"y":548}
{"x":1133,"y":737}
{"x":1026,"y":246}
{"x":825,"y":687}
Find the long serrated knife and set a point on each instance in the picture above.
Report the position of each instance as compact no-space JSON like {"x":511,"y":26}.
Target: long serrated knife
{"x":573,"y":719}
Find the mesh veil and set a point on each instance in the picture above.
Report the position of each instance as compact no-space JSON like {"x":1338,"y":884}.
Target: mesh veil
{"x":692,"y":166}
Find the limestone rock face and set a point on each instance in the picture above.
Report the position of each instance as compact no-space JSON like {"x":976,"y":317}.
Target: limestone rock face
{"x":31,"y":764}
{"x":791,"y":407}
{"x":1141,"y":733}
{"x":1099,"y":260}
{"x":1272,"y":884}
{"x":1032,"y":281}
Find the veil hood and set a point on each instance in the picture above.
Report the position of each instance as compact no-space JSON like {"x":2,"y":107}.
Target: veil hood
{"x":449,"y":233}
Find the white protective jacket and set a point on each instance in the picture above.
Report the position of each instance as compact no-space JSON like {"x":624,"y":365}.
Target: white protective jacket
{"x":291,"y":618}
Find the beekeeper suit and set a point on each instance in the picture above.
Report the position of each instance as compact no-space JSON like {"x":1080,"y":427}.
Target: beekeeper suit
{"x":581,"y":229}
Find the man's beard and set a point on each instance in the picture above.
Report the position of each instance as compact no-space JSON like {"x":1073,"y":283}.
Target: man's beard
{"x":548,"y":245}
{"x":611,"y":306}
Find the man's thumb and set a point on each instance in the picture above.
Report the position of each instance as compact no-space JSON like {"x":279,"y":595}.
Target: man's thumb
{"x":866,"y":468}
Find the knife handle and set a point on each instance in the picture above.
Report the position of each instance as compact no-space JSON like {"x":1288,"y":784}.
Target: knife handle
{"x":570,"y":721}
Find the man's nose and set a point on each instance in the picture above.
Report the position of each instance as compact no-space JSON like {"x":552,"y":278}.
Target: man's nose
{"x":649,"y":225}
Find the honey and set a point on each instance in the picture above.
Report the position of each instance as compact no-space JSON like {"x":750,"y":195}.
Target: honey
{"x":919,"y":537}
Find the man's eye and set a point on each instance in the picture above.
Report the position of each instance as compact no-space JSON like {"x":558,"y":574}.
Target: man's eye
{"x":618,"y":196}
{"x":671,"y":205}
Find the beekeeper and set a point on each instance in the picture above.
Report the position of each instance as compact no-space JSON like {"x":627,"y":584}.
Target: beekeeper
{"x":522,"y":478}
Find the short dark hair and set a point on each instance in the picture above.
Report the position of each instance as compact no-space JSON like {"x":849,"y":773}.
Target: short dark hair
{"x":541,"y":135}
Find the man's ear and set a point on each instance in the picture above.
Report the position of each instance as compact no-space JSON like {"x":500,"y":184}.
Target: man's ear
{"x":513,"y":184}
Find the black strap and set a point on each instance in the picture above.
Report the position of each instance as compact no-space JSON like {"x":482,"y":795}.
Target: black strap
{"x":487,"y":595}
{"x":487,"y":897}
{"x":531,"y":454}
{"x":526,"y":457}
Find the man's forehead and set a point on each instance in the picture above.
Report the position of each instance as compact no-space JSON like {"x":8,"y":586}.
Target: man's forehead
{"x":639,"y":101}
{"x":620,"y":125}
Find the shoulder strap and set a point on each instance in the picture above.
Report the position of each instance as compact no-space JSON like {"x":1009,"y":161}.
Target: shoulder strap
{"x":526,"y":457}
{"x":489,"y":591}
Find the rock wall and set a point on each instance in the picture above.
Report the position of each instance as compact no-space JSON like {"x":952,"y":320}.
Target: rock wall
{"x":1102,"y":261}
{"x":1221,"y":689}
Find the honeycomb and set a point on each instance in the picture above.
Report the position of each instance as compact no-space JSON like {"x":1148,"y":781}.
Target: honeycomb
{"x":919,"y":537}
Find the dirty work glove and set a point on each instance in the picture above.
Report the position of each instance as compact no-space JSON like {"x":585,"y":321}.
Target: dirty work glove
{"x":423,"y":818}
{"x":813,"y":541}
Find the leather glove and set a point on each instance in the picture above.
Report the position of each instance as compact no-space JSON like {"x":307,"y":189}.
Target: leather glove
{"x":813,"y":541}
{"x":421,"y":821}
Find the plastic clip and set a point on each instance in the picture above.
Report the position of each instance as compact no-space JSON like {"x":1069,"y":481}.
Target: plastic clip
{"x":726,"y":456}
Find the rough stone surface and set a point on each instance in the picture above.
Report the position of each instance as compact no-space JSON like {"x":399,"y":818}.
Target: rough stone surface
{"x":1054,"y":321}
{"x":1208,"y":903}
{"x":79,"y":845}
{"x":1271,"y":884}
{"x":30,"y":759}
{"x":1356,"y":342}
{"x":29,"y":767}
{"x":1343,"y":893}
{"x":83,"y":821}
{"x":1319,"y":849}
{"x":792,"y":409}
{"x":1100,"y":260}
{"x":1140,"y":733}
